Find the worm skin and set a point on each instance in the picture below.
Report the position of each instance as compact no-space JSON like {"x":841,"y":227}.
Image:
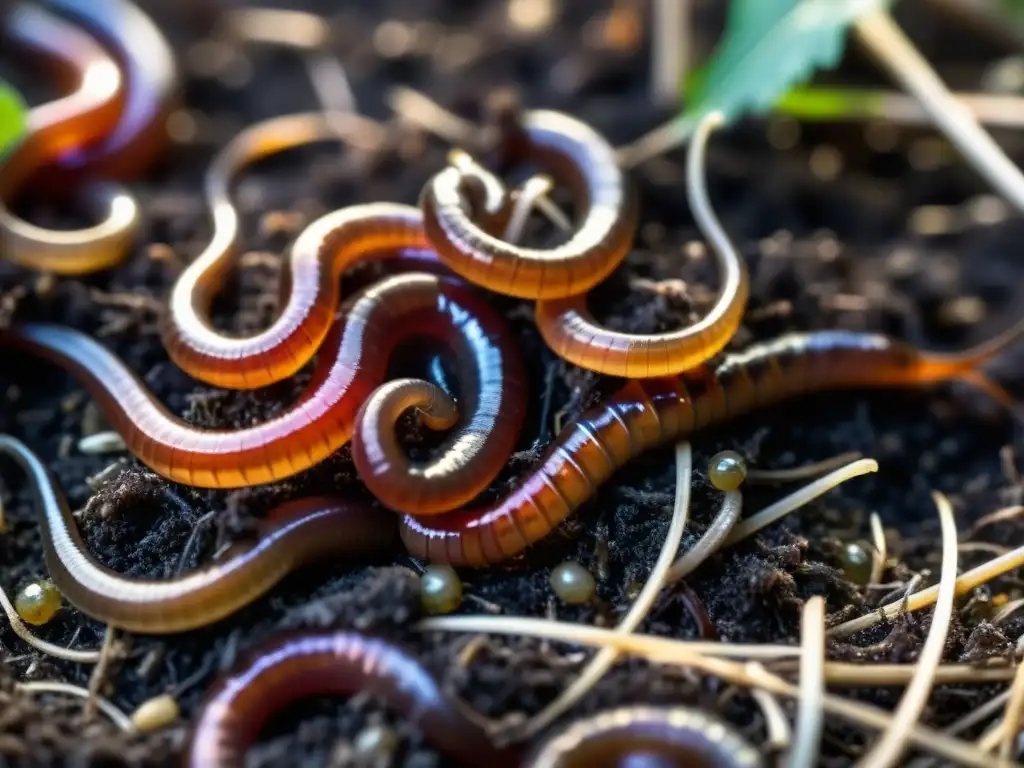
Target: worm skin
{"x":297,"y":665}
{"x":648,"y":736}
{"x":351,"y":364}
{"x":651,"y":412}
{"x":490,"y":378}
{"x":85,"y":115}
{"x":572,"y":333}
{"x":459,"y":198}
{"x":291,"y":535}
{"x":152,"y":89}
{"x":310,"y":287}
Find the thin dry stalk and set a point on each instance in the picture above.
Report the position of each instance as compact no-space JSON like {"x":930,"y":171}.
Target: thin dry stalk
{"x":119,"y":718}
{"x":794,"y":501}
{"x":881,"y":553}
{"x":595,"y":670}
{"x":894,"y":741}
{"x":969,"y":580}
{"x":810,"y":715}
{"x":772,"y":476}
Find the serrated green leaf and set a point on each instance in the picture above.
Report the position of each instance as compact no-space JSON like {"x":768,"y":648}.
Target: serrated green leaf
{"x":768,"y":47}
{"x":12,"y":117}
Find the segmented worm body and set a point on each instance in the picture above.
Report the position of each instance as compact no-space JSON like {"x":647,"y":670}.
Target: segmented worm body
{"x":464,"y":208}
{"x":310,"y":289}
{"x":573,"y":334}
{"x":649,"y":736}
{"x":295,"y":666}
{"x":85,"y":115}
{"x":651,"y":412}
{"x":152,"y":88}
{"x":291,"y":535}
{"x":351,"y":364}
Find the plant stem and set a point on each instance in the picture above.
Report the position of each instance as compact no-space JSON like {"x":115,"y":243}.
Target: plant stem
{"x":670,"y":32}
{"x":894,"y":51}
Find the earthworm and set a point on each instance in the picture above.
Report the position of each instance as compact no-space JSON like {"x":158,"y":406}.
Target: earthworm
{"x":85,"y":115}
{"x":574,"y":335}
{"x":656,"y":735}
{"x":152,"y":88}
{"x":351,"y":364}
{"x":463,"y":208}
{"x":297,"y":665}
{"x":646,"y":413}
{"x":310,"y":289}
{"x":291,"y":535}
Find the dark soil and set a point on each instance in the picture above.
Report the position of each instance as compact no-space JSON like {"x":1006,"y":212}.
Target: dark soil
{"x":825,"y":252}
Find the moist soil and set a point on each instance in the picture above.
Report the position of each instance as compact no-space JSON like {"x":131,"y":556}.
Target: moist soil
{"x":868,"y":228}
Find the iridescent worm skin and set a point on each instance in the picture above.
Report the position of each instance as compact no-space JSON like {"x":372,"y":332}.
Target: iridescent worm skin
{"x":573,"y":334}
{"x":298,"y":665}
{"x":648,"y":736}
{"x":351,"y":364}
{"x":291,"y":535}
{"x":458,"y":200}
{"x":652,"y":412}
{"x":310,"y":289}
{"x":85,"y":115}
{"x":152,"y":88}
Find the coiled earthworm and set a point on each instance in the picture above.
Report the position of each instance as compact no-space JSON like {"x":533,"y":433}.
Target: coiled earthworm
{"x":572,"y":333}
{"x":648,"y":735}
{"x":652,"y":412}
{"x":297,"y":665}
{"x":351,"y":364}
{"x":462,"y":212}
{"x":152,"y":88}
{"x":85,"y":115}
{"x":291,"y":535}
{"x":310,"y":287}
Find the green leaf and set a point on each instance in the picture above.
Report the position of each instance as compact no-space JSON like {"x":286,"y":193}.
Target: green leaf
{"x":770,"y":46}
{"x":1013,"y":8}
{"x":12,"y":117}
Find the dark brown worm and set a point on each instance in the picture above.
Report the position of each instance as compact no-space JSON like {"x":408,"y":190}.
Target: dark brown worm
{"x":652,"y":412}
{"x":668,"y":736}
{"x":295,"y":666}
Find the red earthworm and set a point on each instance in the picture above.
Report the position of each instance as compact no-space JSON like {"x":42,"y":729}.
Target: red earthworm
{"x":289,"y":536}
{"x":310,"y":288}
{"x":572,"y":333}
{"x":463,"y":208}
{"x":650,"y":412}
{"x":659,"y":735}
{"x":85,"y":115}
{"x":152,"y":88}
{"x":297,"y":665}
{"x":350,"y":365}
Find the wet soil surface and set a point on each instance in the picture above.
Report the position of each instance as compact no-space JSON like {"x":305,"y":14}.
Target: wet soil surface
{"x":837,"y":225}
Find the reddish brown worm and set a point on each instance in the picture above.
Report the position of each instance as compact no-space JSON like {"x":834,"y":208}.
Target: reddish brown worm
{"x":649,"y":736}
{"x":351,"y":364}
{"x":298,"y":665}
{"x":310,"y":287}
{"x":574,"y":335}
{"x":463,"y":211}
{"x":288,"y":537}
{"x":652,"y":412}
{"x":149,"y":67}
{"x":87,"y":114}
